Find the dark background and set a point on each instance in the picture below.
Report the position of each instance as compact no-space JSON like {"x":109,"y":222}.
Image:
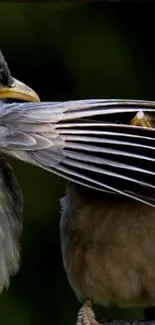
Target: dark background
{"x":67,"y":51}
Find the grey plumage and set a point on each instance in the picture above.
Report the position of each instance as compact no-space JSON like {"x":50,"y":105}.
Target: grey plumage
{"x":89,"y":142}
{"x":11,"y":203}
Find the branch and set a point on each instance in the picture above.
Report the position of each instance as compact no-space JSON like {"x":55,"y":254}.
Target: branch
{"x":86,"y":316}
{"x":133,"y":322}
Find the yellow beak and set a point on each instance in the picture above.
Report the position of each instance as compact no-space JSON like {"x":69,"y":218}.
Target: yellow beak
{"x":20,"y":91}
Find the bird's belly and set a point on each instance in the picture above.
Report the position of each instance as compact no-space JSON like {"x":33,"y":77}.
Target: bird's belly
{"x":107,"y":280}
{"x":109,"y":254}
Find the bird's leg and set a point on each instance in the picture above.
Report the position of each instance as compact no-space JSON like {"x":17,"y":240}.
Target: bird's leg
{"x":140,"y":119}
{"x":86,"y":315}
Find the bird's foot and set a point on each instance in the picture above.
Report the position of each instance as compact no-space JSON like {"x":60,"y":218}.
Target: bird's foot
{"x":86,"y":315}
{"x":141,"y":119}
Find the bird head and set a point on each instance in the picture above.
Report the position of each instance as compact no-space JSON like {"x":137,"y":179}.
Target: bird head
{"x":11,"y":88}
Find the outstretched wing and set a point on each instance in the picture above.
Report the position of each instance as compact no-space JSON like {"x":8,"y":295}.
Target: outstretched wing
{"x":87,"y":141}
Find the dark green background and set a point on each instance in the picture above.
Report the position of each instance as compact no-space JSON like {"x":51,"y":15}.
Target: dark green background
{"x":67,"y":51}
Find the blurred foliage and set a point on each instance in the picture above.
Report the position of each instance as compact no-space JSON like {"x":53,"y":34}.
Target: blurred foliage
{"x":67,"y":51}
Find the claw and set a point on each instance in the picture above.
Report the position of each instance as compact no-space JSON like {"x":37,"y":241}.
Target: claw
{"x":140,"y":119}
{"x":86,"y":315}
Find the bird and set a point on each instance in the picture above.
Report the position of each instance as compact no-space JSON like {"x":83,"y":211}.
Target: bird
{"x":11,"y":199}
{"x":105,"y":148}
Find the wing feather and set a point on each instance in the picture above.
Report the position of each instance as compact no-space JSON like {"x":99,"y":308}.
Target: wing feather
{"x":87,"y":141}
